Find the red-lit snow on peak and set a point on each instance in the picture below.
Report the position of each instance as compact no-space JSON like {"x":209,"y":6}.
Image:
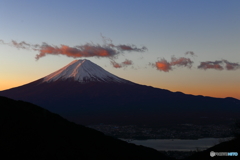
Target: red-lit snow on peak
{"x":83,"y":71}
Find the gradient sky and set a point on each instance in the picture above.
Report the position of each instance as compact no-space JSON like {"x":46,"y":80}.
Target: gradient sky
{"x":209,"y":28}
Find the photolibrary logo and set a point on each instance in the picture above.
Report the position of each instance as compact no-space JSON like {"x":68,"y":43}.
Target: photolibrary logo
{"x":212,"y":153}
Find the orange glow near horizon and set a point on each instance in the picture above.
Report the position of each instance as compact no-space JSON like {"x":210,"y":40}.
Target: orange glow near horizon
{"x":207,"y":90}
{"x":7,"y":85}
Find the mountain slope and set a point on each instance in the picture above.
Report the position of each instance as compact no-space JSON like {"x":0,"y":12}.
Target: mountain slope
{"x":100,"y":99}
{"x":30,"y":132}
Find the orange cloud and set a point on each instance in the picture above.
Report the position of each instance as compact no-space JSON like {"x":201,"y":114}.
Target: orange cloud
{"x":162,"y":65}
{"x":127,"y":62}
{"x":115,"y":64}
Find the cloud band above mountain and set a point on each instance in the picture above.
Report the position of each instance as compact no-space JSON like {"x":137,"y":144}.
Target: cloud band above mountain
{"x":109,"y":50}
{"x":86,"y":50}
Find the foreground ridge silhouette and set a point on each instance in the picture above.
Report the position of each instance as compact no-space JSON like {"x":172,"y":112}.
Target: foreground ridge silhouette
{"x":31,"y":132}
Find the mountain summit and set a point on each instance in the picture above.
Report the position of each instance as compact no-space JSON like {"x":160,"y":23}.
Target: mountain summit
{"x":83,"y":71}
{"x":85,"y":93}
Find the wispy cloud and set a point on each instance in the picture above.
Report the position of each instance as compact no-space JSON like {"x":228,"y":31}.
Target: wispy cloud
{"x":129,"y":48}
{"x":182,"y":61}
{"x":219,"y":65}
{"x":211,"y":65}
{"x":2,"y":42}
{"x":231,"y":66}
{"x":123,"y":47}
{"x":115,"y":64}
{"x":190,"y":53}
{"x":127,"y":62}
{"x":120,"y":65}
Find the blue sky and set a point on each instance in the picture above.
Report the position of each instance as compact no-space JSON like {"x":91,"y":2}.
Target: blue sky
{"x":210,"y":29}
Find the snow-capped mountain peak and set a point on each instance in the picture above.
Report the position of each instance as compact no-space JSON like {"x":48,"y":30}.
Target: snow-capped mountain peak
{"x":83,"y":71}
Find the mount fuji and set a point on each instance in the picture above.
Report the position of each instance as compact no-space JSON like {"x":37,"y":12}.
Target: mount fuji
{"x":83,"y":71}
{"x":85,"y":93}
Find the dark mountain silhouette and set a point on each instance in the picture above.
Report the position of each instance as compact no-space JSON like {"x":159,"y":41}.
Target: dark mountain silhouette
{"x":30,"y":132}
{"x":87,"y":94}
